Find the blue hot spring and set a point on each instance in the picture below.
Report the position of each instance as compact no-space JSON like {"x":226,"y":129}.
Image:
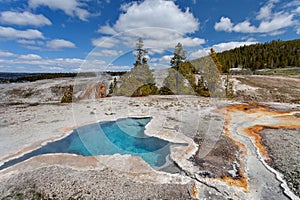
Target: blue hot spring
{"x":123,"y":136}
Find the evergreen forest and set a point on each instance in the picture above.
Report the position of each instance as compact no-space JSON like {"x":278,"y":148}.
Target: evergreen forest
{"x":270,"y":55}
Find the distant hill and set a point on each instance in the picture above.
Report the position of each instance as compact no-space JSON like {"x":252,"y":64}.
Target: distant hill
{"x":274,"y":54}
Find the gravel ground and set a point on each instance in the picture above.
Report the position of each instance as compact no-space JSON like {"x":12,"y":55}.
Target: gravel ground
{"x":260,"y":88}
{"x":221,"y":161}
{"x":283,"y":147}
{"x":56,"y":182}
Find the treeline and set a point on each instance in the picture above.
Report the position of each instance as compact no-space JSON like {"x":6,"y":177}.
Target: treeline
{"x":274,"y":54}
{"x":116,"y":73}
{"x":36,"y":77}
{"x":41,"y":76}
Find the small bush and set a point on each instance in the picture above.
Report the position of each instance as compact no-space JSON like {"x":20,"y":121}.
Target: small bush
{"x":68,"y":95}
{"x":141,"y":91}
{"x":165,"y":91}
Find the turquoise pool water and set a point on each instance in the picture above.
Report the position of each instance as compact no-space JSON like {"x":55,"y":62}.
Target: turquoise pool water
{"x":123,"y":136}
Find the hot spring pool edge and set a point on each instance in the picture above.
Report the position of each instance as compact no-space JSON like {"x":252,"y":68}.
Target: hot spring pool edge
{"x":147,"y":128}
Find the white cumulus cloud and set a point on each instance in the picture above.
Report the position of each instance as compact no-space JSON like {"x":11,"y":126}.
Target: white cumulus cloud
{"x":225,"y":24}
{"x":107,"y":30}
{"x":23,"y":19}
{"x":156,"y":13}
{"x":26,"y":42}
{"x":278,"y":22}
{"x":160,"y":23}
{"x":245,"y":27}
{"x":265,"y":12}
{"x":231,"y":45}
{"x":6,"y":54}
{"x":269,"y":22}
{"x":30,"y":57}
{"x":105,"y":42}
{"x":105,"y":53}
{"x":38,"y":64}
{"x":70,"y":7}
{"x":220,"y":47}
{"x":164,"y":59}
{"x":60,"y":44}
{"x":11,"y":33}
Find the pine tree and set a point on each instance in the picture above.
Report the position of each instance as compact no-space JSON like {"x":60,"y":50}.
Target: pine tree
{"x":112,"y":88}
{"x":176,"y":61}
{"x":68,"y":95}
{"x":139,"y":81}
{"x":181,"y":74}
{"x":216,"y":60}
{"x":140,"y":53}
{"x":178,"y":57}
{"x":176,"y":84}
{"x":229,"y":92}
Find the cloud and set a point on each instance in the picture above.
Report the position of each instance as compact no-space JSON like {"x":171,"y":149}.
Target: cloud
{"x":278,"y":22}
{"x":245,"y":27}
{"x":294,"y":7}
{"x":55,"y":44}
{"x":70,"y":7}
{"x":30,"y":57}
{"x":225,"y":24}
{"x":265,"y":12}
{"x":231,"y":45}
{"x":38,"y":64}
{"x":294,"y":3}
{"x":271,"y":23}
{"x":26,"y":42}
{"x":156,"y":13}
{"x":220,"y":48}
{"x":118,"y":68}
{"x":6,"y":54}
{"x":105,"y":42}
{"x":105,"y":53}
{"x":11,"y":33}
{"x":60,"y":44}
{"x":200,"y":53}
{"x":107,"y":30}
{"x":161,"y":24}
{"x":172,"y":41}
{"x":23,"y":19}
{"x":162,"y":60}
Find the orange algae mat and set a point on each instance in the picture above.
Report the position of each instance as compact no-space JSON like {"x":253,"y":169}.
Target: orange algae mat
{"x":272,"y":120}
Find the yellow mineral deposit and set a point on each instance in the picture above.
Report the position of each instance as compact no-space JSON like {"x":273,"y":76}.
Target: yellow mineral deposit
{"x":195,"y":192}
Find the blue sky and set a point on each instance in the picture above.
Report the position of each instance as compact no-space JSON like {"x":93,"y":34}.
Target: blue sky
{"x":87,"y":35}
